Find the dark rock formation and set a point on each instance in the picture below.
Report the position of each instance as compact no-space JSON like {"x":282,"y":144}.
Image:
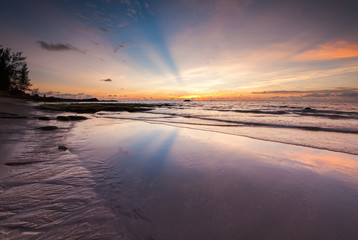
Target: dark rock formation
{"x":48,"y":128}
{"x":62,"y":147}
{"x":70,"y":118}
{"x":44,"y":118}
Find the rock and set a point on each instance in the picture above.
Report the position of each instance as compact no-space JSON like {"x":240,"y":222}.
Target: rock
{"x":62,"y":147}
{"x":44,"y":118}
{"x":76,"y":118}
{"x":11,"y":164}
{"x":63,"y":118}
{"x":48,"y":128}
{"x":10,"y":115}
{"x":308,"y":109}
{"x":70,"y":118}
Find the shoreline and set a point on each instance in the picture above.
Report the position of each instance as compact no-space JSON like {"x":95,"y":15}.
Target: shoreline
{"x":250,"y":130}
{"x":255,"y":138}
{"x":137,"y":180}
{"x":344,"y":141}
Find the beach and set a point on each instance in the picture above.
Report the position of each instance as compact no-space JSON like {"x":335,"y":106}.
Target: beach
{"x":134,"y":179}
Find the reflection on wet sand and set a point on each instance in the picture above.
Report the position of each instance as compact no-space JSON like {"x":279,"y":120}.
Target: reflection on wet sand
{"x":325,"y":162}
{"x":173,"y":183}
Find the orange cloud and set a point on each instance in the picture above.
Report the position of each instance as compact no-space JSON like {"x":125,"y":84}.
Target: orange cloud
{"x":329,"y":51}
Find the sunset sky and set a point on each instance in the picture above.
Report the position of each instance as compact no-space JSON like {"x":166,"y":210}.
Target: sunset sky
{"x":209,"y":49}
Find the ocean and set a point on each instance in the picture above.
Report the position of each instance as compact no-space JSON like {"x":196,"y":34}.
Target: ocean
{"x":324,"y":125}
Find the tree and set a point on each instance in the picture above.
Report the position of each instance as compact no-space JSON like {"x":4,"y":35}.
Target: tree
{"x":14,"y":73}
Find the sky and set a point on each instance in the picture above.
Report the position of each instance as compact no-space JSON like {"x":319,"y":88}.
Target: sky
{"x":200,"y":49}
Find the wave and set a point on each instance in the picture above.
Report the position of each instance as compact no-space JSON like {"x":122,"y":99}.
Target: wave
{"x":331,"y":126}
{"x":331,"y":114}
{"x":229,"y":123}
{"x":273,"y":125}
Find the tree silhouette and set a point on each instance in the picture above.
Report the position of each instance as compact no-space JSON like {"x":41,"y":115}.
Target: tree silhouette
{"x":14,"y":74}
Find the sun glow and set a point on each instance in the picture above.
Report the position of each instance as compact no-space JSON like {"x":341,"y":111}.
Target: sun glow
{"x":190,"y":97}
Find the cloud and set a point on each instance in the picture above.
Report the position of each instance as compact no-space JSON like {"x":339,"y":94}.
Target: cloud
{"x":116,"y":49}
{"x":318,"y":95}
{"x":102,"y":29}
{"x":120,"y":25}
{"x":277,"y":92}
{"x":350,"y":94}
{"x":58,"y":47}
{"x":313,"y":91}
{"x":90,"y":5}
{"x":330,"y":51}
{"x":50,"y":93}
{"x":106,"y":80}
{"x":339,"y":93}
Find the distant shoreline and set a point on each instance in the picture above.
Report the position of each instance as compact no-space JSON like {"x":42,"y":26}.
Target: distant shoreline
{"x":37,"y":98}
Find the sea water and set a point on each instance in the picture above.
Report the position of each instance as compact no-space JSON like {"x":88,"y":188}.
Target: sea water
{"x":325,"y":125}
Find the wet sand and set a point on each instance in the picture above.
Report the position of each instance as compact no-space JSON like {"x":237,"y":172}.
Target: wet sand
{"x":123,"y":179}
{"x":46,"y":193}
{"x":10,"y":128}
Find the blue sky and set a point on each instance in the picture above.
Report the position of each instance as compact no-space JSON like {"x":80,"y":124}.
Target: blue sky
{"x":178,"y":49}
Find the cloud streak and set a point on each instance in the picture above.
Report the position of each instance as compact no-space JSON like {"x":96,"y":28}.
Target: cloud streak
{"x":116,"y":49}
{"x":106,"y":80}
{"x":330,"y":51}
{"x":58,"y":47}
{"x":339,"y":93}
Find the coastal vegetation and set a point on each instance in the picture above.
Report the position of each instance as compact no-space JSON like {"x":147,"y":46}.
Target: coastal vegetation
{"x":15,"y":81}
{"x":56,"y":99}
{"x":14,"y":73}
